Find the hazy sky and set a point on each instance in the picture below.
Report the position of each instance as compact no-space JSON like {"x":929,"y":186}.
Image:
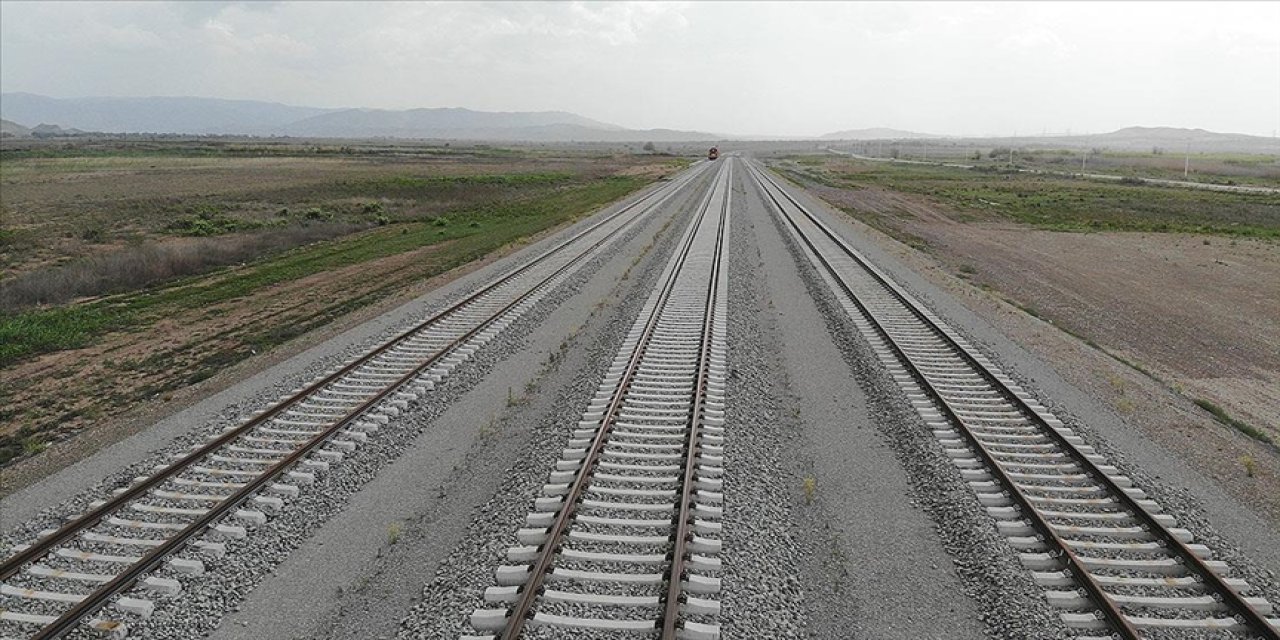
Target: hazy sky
{"x":752,"y":68}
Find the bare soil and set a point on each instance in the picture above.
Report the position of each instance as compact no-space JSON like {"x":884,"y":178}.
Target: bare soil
{"x":1199,"y":312}
{"x":192,"y":341}
{"x":1245,"y":468}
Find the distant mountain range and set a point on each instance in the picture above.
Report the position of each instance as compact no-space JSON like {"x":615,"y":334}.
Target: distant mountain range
{"x":13,"y":129}
{"x":1168,"y":139}
{"x":877,"y":133}
{"x":1171,"y":138}
{"x":203,"y":116}
{"x":27,"y":114}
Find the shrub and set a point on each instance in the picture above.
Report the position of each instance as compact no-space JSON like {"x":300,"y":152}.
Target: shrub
{"x":149,"y":264}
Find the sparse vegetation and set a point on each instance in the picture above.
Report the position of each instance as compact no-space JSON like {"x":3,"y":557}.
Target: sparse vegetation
{"x":1250,"y":465}
{"x":489,"y":430}
{"x":171,"y":308}
{"x":32,"y":446}
{"x":810,"y":487}
{"x":1059,"y":203}
{"x":153,"y":263}
{"x":514,"y":400}
{"x":1222,"y":416}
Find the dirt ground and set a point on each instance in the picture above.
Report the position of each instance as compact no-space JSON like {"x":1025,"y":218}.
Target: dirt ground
{"x":1201,"y":313}
{"x":1244,"y":467}
{"x":193,"y":340}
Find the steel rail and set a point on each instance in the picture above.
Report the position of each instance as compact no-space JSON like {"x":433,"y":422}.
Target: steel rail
{"x":671,"y":608}
{"x":532,"y":588}
{"x":123,"y":580}
{"x":1254,"y":620}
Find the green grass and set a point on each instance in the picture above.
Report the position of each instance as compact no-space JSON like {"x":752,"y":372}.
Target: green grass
{"x":1222,"y":416}
{"x":470,"y":232}
{"x":1065,"y":204}
{"x":47,"y":330}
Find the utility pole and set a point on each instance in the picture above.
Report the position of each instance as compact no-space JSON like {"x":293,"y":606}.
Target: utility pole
{"x":1186,"y":166}
{"x":1084,"y":157}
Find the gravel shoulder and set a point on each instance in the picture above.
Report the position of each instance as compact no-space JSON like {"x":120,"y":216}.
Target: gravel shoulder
{"x":868,"y":560}
{"x":1190,"y":462}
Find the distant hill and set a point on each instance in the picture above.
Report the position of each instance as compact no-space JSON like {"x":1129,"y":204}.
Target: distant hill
{"x":425,"y":123}
{"x":11,"y":129}
{"x":43,"y":130}
{"x":154,"y":115}
{"x":247,"y":117}
{"x":1173,"y":137}
{"x":1170,"y":139}
{"x":876,"y":133}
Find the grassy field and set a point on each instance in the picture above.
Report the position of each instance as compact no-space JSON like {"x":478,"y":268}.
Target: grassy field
{"x":236,"y":256}
{"x":1056,"y":203}
{"x":1167,"y":164}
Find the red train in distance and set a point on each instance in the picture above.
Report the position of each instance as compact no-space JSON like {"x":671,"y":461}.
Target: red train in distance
{"x":713,"y":153}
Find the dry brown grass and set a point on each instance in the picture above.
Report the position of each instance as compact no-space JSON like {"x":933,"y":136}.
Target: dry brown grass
{"x":153,"y":263}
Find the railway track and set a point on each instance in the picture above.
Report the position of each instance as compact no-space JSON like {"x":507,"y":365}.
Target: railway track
{"x":145,"y":539}
{"x":625,"y":536}
{"x":1105,"y":554}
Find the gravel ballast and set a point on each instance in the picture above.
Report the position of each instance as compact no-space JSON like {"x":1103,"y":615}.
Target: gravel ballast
{"x":762,"y":591}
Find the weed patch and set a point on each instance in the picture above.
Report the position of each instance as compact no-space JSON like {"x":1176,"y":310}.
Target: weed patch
{"x":1225,"y":418}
